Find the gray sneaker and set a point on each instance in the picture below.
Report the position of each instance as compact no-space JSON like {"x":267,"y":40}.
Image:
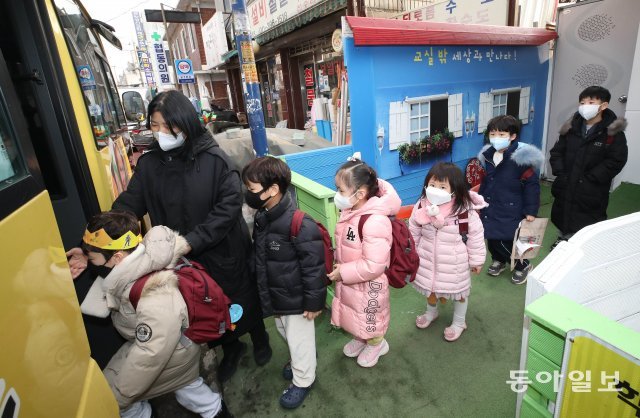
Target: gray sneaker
{"x":520,"y":276}
{"x":496,"y":268}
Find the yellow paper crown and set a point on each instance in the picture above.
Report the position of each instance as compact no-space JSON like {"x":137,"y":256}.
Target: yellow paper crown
{"x":100,"y":239}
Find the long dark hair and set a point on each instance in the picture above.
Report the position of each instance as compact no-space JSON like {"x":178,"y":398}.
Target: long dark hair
{"x":179,"y":114}
{"x":451,"y":173}
{"x":357,"y":173}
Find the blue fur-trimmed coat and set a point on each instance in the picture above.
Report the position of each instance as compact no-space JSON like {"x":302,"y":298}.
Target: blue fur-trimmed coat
{"x":512,"y":189}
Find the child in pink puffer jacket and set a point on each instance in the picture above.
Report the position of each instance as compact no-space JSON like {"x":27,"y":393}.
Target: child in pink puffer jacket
{"x":361,"y":302}
{"x":447,"y":251}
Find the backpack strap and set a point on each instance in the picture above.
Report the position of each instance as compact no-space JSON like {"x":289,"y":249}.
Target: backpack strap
{"x":361,"y":222}
{"x":296,"y":223}
{"x":136,"y":290}
{"x":527,"y":174}
{"x":463,"y":225}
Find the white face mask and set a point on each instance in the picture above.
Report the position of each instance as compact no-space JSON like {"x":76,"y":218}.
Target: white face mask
{"x":437,"y":196}
{"x":168,"y":142}
{"x":499,"y":143}
{"x":589,"y":111}
{"x":342,"y":202}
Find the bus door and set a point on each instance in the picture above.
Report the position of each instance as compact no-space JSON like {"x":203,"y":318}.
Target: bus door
{"x":42,"y":80}
{"x":45,"y":368}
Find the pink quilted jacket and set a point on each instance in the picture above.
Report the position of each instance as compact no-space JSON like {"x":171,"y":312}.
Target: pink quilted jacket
{"x":361,"y":303}
{"x":444,"y":259}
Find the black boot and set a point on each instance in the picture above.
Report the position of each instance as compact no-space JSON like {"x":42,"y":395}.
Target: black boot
{"x":233,"y":352}
{"x":261,"y":349}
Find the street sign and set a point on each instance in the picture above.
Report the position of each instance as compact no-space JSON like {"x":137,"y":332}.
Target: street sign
{"x":184,"y":71}
{"x":172,"y":16}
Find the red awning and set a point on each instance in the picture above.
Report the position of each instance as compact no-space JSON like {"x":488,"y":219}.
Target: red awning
{"x":370,"y":31}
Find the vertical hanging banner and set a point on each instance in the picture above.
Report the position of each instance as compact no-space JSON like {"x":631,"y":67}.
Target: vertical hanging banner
{"x":250,"y":84}
{"x":162,"y":63}
{"x":143,"y":52}
{"x":309,"y":86}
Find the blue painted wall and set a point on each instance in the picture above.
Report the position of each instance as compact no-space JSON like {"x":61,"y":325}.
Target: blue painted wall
{"x":380,"y":75}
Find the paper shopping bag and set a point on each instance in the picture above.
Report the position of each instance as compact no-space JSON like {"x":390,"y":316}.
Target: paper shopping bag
{"x":527,"y":240}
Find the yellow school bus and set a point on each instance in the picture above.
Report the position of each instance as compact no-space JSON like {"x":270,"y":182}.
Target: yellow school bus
{"x":62,"y":160}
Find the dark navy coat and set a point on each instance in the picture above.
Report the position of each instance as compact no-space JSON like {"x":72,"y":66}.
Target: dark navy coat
{"x":512,"y":189}
{"x":584,"y":166}
{"x":290,"y":274}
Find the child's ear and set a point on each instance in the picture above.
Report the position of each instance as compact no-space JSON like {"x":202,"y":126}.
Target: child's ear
{"x":118,"y":257}
{"x":605,"y":105}
{"x":274,"y":189}
{"x":512,"y":137}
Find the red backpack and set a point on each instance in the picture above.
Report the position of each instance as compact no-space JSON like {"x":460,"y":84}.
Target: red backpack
{"x":404,"y":261}
{"x":207,"y":305}
{"x":296,"y":223}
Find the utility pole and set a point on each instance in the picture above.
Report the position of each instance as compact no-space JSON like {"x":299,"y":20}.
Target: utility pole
{"x":166,"y":34}
{"x":250,"y":84}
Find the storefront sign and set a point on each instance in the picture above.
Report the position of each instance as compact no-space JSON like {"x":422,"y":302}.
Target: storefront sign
{"x":266,"y":14}
{"x":143,"y":53}
{"x":162,"y":66}
{"x":310,"y":85}
{"x":336,"y":40}
{"x":184,"y":72}
{"x":481,"y":12}
{"x":215,"y":41}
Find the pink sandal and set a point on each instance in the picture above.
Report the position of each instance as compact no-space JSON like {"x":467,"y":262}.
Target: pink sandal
{"x":423,"y":322}
{"x":453,"y":332}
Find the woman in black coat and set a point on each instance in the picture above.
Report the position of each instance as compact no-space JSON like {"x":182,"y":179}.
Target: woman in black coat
{"x":184,"y":181}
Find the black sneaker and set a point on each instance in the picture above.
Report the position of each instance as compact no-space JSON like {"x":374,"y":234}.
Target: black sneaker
{"x":229,"y":363}
{"x":287,"y":372}
{"x":293,"y":396}
{"x":496,"y":268}
{"x":520,"y":276}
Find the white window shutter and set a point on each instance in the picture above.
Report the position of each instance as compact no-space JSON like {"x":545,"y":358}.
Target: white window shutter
{"x":524,"y":104}
{"x":455,"y":115}
{"x":485,"y":111}
{"x":398,"y":124}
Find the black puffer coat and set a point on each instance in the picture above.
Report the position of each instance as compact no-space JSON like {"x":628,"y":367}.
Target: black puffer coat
{"x":290,"y":274}
{"x":584,"y":167}
{"x":198,"y":195}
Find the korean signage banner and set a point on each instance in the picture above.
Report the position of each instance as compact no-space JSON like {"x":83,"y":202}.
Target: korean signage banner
{"x":184,"y":72}
{"x":143,"y":53}
{"x":309,"y":85}
{"x":162,"y":64}
{"x":266,"y":14}
{"x":477,"y":12}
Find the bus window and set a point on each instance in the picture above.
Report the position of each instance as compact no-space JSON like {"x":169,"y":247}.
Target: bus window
{"x":104,"y":109}
{"x":133,"y":106}
{"x":12,"y":167}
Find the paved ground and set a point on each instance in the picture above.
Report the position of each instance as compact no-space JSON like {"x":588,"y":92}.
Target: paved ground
{"x":423,"y":375}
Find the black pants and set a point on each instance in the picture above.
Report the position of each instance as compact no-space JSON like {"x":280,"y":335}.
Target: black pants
{"x":501,"y":251}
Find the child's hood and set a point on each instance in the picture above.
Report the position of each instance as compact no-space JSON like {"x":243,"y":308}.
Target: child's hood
{"x":160,"y":249}
{"x":525,"y":155}
{"x":386,"y":203}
